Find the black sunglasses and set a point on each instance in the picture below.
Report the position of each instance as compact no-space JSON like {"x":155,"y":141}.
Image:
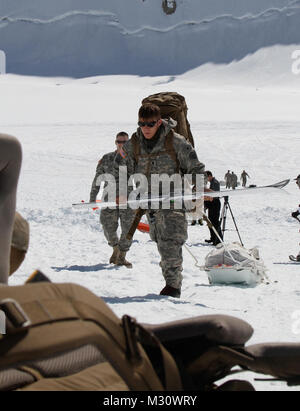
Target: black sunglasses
{"x":147,"y":123}
{"x":121,"y":141}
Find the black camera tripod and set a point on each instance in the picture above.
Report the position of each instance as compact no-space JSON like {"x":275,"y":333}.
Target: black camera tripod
{"x":226,"y":207}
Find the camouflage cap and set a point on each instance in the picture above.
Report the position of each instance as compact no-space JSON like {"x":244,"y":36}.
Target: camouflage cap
{"x":20,"y":237}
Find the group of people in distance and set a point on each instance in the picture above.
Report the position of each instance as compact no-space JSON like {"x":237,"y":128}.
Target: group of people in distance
{"x":231,"y":179}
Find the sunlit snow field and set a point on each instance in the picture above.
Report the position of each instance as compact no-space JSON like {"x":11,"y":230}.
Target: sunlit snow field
{"x":66,"y":126}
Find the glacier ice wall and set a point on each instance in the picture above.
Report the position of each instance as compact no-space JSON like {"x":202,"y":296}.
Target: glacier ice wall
{"x":83,"y":38}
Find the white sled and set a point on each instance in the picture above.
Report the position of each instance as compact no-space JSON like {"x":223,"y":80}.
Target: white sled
{"x":230,"y":275}
{"x":234,"y":264}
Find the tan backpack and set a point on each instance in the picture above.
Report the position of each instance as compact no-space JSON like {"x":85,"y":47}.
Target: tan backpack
{"x":63,"y":337}
{"x":173,"y":105}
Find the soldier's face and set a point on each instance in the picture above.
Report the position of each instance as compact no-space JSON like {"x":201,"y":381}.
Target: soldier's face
{"x":120,"y":141}
{"x":149,"y":126}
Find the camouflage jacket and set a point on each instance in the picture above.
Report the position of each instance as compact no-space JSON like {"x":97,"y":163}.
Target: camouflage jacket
{"x":105,"y":166}
{"x":156,"y":160}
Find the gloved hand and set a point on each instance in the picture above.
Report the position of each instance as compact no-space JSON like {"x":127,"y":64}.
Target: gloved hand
{"x":295,"y":214}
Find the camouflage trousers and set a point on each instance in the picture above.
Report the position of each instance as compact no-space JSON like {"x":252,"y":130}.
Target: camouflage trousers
{"x":110,"y":223}
{"x":168,"y":228}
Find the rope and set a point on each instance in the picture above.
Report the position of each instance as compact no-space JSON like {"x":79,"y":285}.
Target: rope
{"x":201,"y":267}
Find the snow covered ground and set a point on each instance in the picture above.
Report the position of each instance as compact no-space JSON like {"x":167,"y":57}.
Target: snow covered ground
{"x":66,"y":125}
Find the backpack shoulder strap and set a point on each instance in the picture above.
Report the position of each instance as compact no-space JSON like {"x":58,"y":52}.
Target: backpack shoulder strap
{"x":136,"y":147}
{"x":169,"y":146}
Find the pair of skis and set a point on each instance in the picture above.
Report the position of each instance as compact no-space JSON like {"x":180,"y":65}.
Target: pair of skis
{"x":148,"y":202}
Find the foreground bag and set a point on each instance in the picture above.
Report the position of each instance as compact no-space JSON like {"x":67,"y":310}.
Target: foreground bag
{"x":173,"y":105}
{"x":63,"y":337}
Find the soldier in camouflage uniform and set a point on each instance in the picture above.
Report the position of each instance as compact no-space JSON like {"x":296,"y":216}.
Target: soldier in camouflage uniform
{"x":149,"y":152}
{"x":244,"y":176}
{"x":109,"y":218}
{"x":227,"y":179}
{"x":233,"y":180}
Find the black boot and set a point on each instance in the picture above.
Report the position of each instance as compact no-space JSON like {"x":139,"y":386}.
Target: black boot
{"x":171,"y":291}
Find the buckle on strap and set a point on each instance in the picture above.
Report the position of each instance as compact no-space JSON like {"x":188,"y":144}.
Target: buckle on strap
{"x":130,"y":331}
{"x":15,"y":313}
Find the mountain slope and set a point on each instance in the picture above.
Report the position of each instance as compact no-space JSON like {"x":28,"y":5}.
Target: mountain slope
{"x":85,"y":42}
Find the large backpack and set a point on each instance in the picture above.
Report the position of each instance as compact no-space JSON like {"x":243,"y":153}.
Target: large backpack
{"x":62,"y":337}
{"x":173,"y":105}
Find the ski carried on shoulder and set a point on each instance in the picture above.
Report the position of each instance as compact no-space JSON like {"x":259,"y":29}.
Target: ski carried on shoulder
{"x":144,"y":202}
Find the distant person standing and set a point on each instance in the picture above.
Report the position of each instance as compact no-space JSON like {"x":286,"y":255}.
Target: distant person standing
{"x":234,"y":180}
{"x":214,"y":208}
{"x":244,"y":176}
{"x":227,"y":179}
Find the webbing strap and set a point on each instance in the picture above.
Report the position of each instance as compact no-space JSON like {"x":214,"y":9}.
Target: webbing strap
{"x":169,"y":146}
{"x":172,"y":376}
